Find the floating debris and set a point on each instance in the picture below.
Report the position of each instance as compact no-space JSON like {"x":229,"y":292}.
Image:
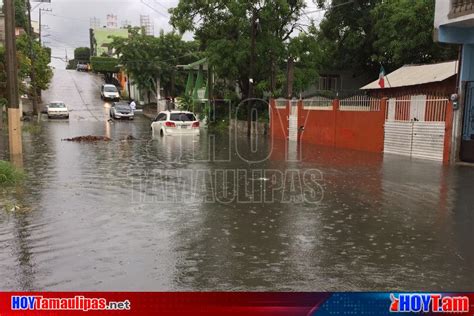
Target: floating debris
{"x":129,"y":137}
{"x":88,"y":138}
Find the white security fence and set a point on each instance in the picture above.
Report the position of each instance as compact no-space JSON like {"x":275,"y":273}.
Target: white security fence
{"x":281,"y":103}
{"x":360,"y":103}
{"x":415,"y":126}
{"x":318,"y":103}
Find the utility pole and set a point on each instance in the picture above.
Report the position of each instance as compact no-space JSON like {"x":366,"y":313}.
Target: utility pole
{"x":32,"y":58}
{"x":14,"y":125}
{"x":252,"y":72}
{"x":290,"y":77}
{"x":39,"y":19}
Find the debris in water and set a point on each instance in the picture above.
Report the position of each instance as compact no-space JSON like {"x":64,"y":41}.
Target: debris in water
{"x":88,"y":138}
{"x":129,"y":137}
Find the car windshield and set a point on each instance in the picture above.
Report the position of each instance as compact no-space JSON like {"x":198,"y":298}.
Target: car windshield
{"x":182,"y":117}
{"x":110,"y":89}
{"x":122,"y":107}
{"x":57,"y":105}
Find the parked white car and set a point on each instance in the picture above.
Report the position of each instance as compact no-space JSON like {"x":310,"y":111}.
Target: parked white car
{"x":57,"y":109}
{"x":174,"y":123}
{"x":109,"y":92}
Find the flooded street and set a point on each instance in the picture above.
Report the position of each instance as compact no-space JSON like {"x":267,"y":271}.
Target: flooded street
{"x":194,"y":214}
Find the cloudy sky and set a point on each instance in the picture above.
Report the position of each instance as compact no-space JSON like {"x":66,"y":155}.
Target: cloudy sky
{"x":67,"y":26}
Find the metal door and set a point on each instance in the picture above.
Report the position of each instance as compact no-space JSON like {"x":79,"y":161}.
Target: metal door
{"x":467,"y":144}
{"x":468,"y":130}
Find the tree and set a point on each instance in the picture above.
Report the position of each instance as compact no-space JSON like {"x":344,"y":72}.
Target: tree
{"x":82,"y":54}
{"x":404,"y":34}
{"x":41,"y":60}
{"x":361,"y":34}
{"x":105,"y":65}
{"x":21,"y":18}
{"x":346,"y":35}
{"x":226,"y":31}
{"x":147,"y":58}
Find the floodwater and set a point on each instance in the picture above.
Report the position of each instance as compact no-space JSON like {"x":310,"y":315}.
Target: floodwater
{"x":211,"y":213}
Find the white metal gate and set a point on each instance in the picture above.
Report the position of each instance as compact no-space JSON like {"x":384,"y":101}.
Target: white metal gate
{"x":415,"y":127}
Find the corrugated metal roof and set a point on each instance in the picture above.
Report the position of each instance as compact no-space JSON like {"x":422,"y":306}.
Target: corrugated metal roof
{"x":410,"y":75}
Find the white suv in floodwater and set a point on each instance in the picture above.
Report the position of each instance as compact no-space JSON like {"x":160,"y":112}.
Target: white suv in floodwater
{"x":169,"y":123}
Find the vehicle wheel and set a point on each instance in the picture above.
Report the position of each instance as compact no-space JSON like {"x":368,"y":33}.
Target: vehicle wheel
{"x":161,"y":133}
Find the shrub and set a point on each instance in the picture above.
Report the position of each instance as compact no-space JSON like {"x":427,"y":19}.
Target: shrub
{"x":9,"y":175}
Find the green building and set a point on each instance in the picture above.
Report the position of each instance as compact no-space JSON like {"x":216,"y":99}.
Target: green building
{"x":100,"y":39}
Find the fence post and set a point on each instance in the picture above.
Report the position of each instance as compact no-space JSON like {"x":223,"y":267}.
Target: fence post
{"x":335,"y":108}
{"x":448,"y":133}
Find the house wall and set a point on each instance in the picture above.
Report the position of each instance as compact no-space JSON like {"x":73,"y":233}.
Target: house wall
{"x":102,"y":37}
{"x":444,"y":88}
{"x":346,"y":81}
{"x":443,"y":7}
{"x":458,"y":30}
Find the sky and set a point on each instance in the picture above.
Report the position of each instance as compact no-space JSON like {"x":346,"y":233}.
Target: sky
{"x":67,"y":26}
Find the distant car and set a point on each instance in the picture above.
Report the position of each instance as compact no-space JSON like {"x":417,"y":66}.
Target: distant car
{"x":169,"y":123}
{"x":82,"y":67}
{"x":121,"y":110}
{"x":109,"y":92}
{"x":57,"y":109}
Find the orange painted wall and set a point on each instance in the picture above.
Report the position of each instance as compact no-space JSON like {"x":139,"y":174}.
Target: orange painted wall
{"x":318,"y":126}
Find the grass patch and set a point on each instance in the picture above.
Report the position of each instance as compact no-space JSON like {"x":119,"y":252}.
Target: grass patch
{"x":31,"y":128}
{"x":9,"y":175}
{"x":219,"y":126}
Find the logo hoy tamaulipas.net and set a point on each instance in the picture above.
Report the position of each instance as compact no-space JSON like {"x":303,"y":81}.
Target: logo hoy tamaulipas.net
{"x":434,"y":303}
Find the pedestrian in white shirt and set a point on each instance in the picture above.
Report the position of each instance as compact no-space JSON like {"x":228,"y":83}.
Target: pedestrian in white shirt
{"x":133,"y":106}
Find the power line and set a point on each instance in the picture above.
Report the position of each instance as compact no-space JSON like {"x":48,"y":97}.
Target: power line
{"x":329,"y":8}
{"x":67,"y":17}
{"x":154,"y":9}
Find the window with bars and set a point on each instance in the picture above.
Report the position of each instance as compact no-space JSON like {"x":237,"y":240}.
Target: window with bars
{"x":328,"y":83}
{"x":461,"y":7}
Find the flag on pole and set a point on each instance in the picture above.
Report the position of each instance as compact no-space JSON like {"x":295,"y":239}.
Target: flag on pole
{"x":382,"y":77}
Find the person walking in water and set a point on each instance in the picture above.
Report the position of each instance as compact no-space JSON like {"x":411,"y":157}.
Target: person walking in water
{"x":133,"y":106}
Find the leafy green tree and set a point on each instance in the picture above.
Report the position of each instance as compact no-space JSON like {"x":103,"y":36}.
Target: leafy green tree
{"x":21,"y":18}
{"x":361,"y":34}
{"x":146,"y":58}
{"x":41,"y":59}
{"x":82,"y":54}
{"x":308,"y":56}
{"x":346,"y":35}
{"x":404,"y":34}
{"x":225,"y":31}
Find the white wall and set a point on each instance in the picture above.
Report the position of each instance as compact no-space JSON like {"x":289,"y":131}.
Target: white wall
{"x":441,"y":15}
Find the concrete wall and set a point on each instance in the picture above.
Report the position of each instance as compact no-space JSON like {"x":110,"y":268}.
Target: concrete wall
{"x":456,"y":30}
{"x":442,"y":9}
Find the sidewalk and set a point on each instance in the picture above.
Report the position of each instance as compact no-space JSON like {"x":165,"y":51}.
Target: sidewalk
{"x":149,"y":111}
